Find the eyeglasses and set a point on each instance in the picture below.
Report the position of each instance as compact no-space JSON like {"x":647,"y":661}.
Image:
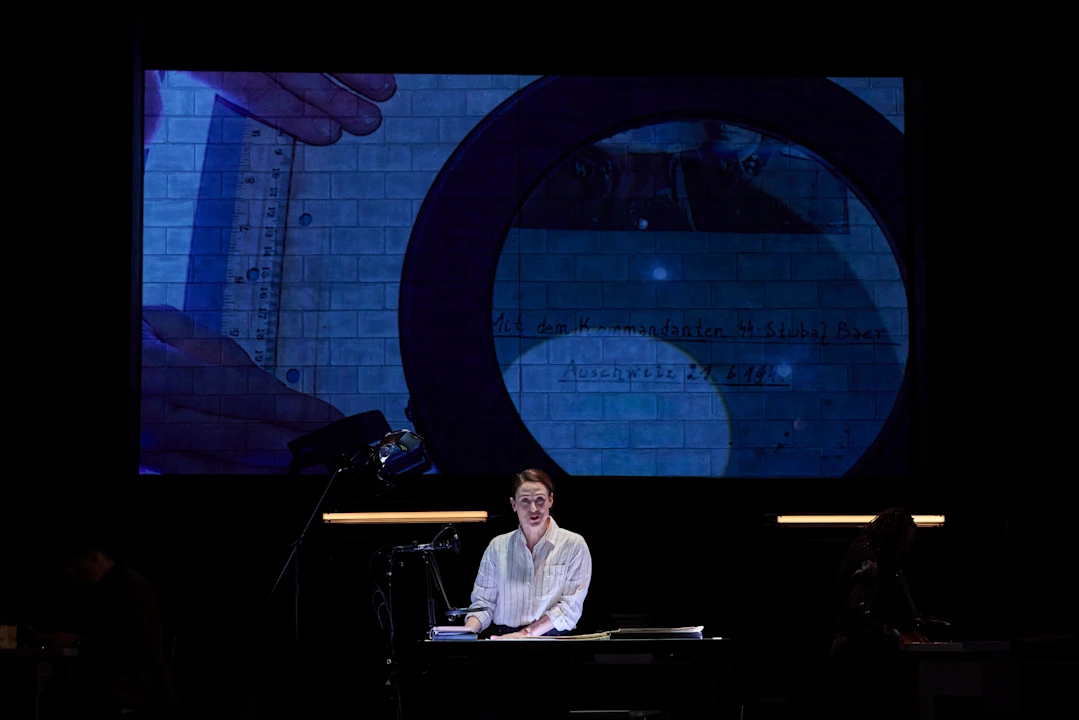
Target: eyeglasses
{"x":539,"y":502}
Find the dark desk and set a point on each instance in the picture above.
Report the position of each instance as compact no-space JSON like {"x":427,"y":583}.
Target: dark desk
{"x":965,"y":679}
{"x":23,"y":672}
{"x":683,"y":677}
{"x":1048,"y":672}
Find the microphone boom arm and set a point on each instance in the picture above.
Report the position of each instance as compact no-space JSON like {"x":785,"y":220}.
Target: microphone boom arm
{"x":433,"y":578}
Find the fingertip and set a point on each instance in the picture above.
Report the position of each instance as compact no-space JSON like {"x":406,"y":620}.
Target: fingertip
{"x":323,"y":132}
{"x":367,"y":124}
{"x":374,"y":86}
{"x":317,"y":138}
{"x":312,"y":131}
{"x":389,"y":86}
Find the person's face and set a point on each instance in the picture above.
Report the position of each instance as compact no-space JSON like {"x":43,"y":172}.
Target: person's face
{"x":82,"y":569}
{"x":910,"y":535}
{"x":532,"y":503}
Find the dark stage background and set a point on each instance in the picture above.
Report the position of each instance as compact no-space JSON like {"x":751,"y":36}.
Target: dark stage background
{"x":686,"y":548}
{"x":213,"y":551}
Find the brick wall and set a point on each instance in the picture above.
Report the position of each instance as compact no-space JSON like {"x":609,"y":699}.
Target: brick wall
{"x":351,"y":208}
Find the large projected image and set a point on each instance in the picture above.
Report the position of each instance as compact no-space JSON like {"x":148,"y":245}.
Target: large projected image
{"x":684,"y":295}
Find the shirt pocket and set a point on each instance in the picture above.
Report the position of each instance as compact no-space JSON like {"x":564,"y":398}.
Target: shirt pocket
{"x":554,"y":578}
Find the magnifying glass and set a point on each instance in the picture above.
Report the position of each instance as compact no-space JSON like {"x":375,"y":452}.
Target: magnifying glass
{"x":446,"y":288}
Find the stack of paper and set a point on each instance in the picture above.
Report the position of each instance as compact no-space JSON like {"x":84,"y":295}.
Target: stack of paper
{"x":590,"y":636}
{"x":694,"y":631}
{"x":451,"y":632}
{"x":661,"y":631}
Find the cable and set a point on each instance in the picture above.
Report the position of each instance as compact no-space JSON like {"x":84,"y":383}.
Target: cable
{"x":439,"y":533}
{"x":438,"y":579}
{"x":906,"y":592}
{"x":385,"y":603}
{"x":434,"y":567}
{"x":381,"y":593}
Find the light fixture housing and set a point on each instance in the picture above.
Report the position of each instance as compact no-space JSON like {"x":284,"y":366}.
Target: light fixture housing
{"x":398,"y":518}
{"x":400,"y":453}
{"x":849,"y":520}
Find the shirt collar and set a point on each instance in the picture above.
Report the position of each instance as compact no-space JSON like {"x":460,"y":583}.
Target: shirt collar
{"x":551,"y":536}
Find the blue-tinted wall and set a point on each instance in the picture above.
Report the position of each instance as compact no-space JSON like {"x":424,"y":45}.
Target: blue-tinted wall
{"x":641,"y":308}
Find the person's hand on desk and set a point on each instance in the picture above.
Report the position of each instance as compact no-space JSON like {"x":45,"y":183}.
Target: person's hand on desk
{"x":930,"y":624}
{"x":512,"y":636}
{"x":58,"y":640}
{"x":913,"y":637}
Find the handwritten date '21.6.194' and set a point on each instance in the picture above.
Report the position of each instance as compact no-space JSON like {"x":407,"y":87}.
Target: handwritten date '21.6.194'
{"x":721,"y":375}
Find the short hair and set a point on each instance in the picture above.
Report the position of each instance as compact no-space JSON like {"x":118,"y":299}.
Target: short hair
{"x":78,"y":539}
{"x":531,"y":475}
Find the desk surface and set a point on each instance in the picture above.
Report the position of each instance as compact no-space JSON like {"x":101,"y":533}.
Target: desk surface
{"x":981,"y":646}
{"x":37,"y":653}
{"x":479,"y":649}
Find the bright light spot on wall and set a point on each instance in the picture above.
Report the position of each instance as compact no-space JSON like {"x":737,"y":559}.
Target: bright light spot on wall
{"x":621,"y":406}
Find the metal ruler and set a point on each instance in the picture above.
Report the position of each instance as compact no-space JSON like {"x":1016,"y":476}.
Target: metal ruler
{"x":252,"y":293}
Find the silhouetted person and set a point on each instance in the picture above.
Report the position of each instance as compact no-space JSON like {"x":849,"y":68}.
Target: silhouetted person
{"x":875,"y":616}
{"x":1039,"y":595}
{"x":1037,"y":606}
{"x":115,"y":623}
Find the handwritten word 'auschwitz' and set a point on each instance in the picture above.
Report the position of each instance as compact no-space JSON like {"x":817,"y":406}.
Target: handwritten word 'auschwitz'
{"x":779,"y":331}
{"x":723,"y":375}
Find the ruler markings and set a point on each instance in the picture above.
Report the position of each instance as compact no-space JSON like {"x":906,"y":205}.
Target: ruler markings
{"x":252,"y":291}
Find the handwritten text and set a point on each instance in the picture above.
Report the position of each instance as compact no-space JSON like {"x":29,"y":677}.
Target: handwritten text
{"x":724,"y":375}
{"x":779,"y":331}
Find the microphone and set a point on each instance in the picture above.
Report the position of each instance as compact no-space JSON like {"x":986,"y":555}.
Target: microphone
{"x":458,"y":612}
{"x":452,"y":543}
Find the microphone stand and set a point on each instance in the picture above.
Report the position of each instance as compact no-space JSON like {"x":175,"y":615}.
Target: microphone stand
{"x":294,"y":555}
{"x":431,"y":567}
{"x":433,"y":578}
{"x":930,"y":625}
{"x":906,"y":592}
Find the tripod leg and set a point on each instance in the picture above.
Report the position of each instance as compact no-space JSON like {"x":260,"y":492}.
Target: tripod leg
{"x":296,"y":595}
{"x":430,"y":592}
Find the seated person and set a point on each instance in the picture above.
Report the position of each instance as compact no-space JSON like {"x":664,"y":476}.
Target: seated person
{"x":1037,"y":595}
{"x":116,"y":626}
{"x":532,"y":581}
{"x":875,"y":615}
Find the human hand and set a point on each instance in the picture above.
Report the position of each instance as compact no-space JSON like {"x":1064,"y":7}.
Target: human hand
{"x":912,"y":637}
{"x":58,"y":639}
{"x":311,"y":107}
{"x":207,"y":408}
{"x":512,"y":636}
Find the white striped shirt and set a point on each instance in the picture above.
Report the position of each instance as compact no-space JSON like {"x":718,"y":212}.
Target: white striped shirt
{"x":517,"y":587}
